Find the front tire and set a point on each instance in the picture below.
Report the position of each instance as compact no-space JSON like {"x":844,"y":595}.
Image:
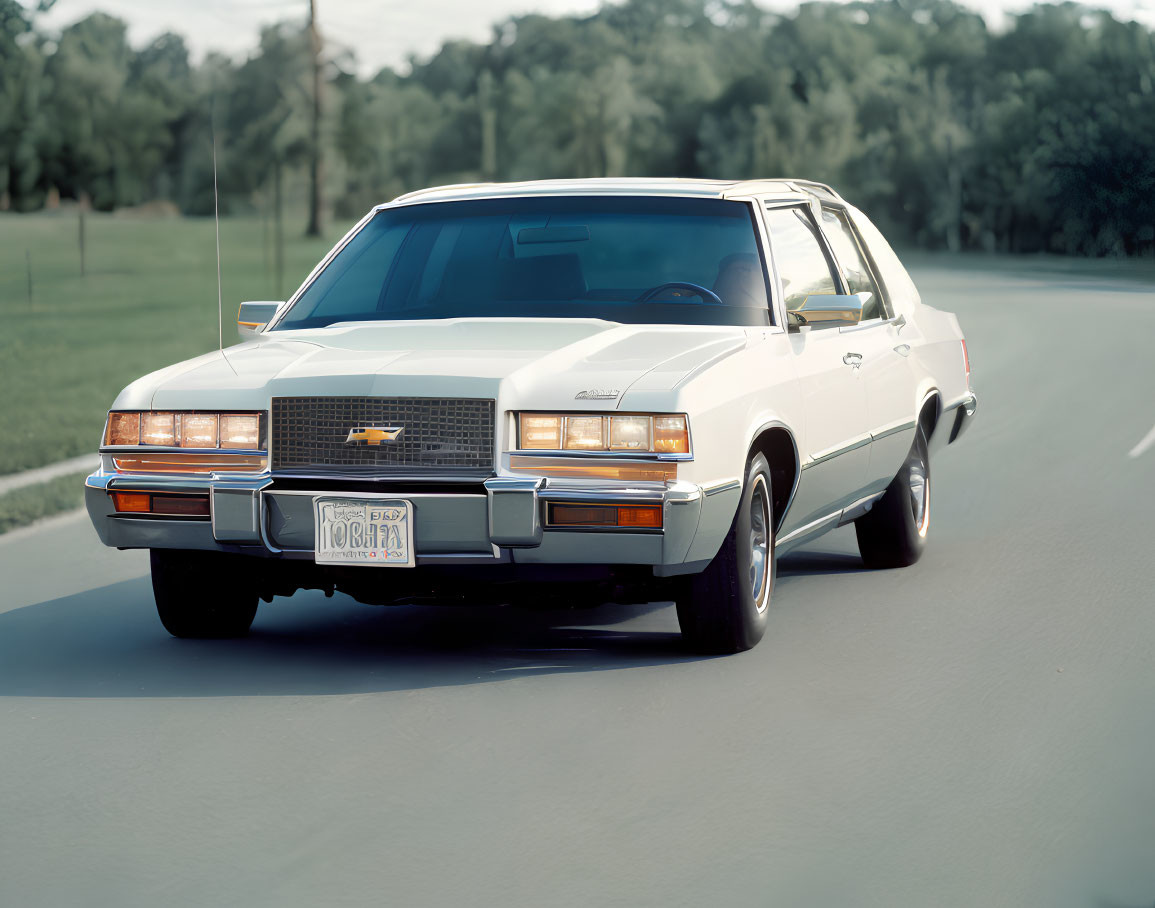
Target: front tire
{"x":723,"y":609}
{"x":202,"y":594}
{"x":893,"y":533}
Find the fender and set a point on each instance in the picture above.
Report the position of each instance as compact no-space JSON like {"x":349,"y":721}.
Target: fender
{"x":779,"y":424}
{"x":720,"y":500}
{"x":927,"y":389}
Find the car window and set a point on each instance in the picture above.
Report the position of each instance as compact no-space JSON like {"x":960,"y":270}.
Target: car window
{"x":900,"y":289}
{"x":857,"y":273}
{"x":798,"y":253}
{"x":640,"y":260}
{"x":362,"y":274}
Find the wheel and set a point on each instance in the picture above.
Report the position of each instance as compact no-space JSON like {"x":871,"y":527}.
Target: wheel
{"x":723,"y":609}
{"x":202,"y":594}
{"x":893,"y":533}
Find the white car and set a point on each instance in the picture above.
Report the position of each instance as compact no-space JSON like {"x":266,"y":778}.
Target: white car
{"x":594,"y":389}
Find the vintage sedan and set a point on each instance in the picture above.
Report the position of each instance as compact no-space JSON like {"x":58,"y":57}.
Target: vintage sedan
{"x":548,"y":392}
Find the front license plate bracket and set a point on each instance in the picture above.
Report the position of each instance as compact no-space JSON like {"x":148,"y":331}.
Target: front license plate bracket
{"x":363,"y":531}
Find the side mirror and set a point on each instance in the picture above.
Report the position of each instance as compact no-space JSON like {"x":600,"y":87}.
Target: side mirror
{"x":796,"y":321}
{"x":252,"y":317}
{"x":832,"y":310}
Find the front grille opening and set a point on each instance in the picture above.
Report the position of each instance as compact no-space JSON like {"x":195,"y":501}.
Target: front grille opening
{"x":313,"y":434}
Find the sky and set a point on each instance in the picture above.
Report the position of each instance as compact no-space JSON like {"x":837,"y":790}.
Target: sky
{"x":387,"y":32}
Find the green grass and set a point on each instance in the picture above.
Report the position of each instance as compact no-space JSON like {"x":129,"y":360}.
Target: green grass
{"x":24,"y":505}
{"x":148,"y":299}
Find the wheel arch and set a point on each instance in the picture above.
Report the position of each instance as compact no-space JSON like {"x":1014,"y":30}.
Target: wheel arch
{"x":929,"y":411}
{"x":776,"y":443}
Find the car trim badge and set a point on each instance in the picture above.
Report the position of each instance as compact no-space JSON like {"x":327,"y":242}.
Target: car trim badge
{"x":597,"y":394}
{"x":374,"y":435}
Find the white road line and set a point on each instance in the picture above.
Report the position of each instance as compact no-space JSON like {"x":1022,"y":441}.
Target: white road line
{"x":1148,"y":440}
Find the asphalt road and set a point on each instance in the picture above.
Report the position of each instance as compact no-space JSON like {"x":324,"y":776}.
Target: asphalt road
{"x":976,"y":730}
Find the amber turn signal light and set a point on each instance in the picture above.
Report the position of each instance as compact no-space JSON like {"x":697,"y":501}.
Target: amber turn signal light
{"x":162,"y":505}
{"x":650,"y":517}
{"x":132,"y":502}
{"x":605,"y":515}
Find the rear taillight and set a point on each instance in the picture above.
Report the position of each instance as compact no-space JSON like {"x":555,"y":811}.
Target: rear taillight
{"x":966,"y":362}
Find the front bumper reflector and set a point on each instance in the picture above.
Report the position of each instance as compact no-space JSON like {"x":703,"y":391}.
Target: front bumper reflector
{"x":167,"y":462}
{"x":580,"y":468}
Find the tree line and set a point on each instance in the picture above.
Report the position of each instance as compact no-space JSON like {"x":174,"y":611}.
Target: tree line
{"x":1035,"y":137}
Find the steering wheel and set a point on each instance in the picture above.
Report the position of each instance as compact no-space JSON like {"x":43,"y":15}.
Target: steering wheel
{"x":708,"y":296}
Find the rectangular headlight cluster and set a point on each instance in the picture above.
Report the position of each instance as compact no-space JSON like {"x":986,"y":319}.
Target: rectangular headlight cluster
{"x":193,"y":430}
{"x":635,"y":434}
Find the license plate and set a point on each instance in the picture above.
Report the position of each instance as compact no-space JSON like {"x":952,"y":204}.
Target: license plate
{"x":371,"y":531}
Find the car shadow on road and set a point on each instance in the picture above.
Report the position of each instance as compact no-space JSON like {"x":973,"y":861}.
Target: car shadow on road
{"x":107,"y":642}
{"x":801,"y":563}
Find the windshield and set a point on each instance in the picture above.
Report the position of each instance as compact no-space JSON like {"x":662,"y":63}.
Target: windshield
{"x":624,"y":259}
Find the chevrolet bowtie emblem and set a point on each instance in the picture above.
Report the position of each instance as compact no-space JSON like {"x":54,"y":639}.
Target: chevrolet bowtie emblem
{"x":374,"y":435}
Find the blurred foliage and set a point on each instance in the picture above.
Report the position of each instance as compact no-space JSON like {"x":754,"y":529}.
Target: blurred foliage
{"x":1035,"y":138}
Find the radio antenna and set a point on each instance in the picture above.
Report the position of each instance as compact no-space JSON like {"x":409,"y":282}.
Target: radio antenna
{"x":217,"y":226}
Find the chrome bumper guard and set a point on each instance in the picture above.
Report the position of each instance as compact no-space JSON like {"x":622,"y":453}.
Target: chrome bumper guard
{"x":505,"y":524}
{"x":964,"y":415}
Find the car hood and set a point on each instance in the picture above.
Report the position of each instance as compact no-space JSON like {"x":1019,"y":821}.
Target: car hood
{"x":551,"y":361}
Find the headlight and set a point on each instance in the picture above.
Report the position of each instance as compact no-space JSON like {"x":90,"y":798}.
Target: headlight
{"x":671,"y":435}
{"x":631,"y":433}
{"x":196,"y":430}
{"x":585,"y":433}
{"x":122,"y":429}
{"x":542,"y":432}
{"x":157,"y":429}
{"x":627,"y":434}
{"x":241,"y":430}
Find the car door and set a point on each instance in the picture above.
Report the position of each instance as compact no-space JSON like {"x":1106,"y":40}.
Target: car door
{"x":834,"y":443}
{"x":886,"y":371}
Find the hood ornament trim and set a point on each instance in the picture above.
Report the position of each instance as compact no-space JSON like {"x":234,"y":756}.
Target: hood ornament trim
{"x":598,"y":394}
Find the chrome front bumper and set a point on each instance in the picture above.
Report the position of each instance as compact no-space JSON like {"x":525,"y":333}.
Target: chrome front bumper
{"x":499,"y":521}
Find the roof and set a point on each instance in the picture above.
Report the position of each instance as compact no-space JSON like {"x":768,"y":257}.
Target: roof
{"x":715,"y":189}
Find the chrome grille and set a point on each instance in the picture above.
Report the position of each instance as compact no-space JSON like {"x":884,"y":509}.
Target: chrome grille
{"x":440,"y":435}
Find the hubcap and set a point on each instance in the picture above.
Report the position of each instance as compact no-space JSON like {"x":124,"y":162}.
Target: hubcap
{"x":920,"y":494}
{"x":760,"y":543}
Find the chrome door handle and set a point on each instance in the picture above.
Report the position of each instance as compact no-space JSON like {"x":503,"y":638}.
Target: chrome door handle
{"x":853,"y":359}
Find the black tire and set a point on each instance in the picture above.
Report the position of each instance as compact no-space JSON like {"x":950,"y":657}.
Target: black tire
{"x":202,"y":594}
{"x":718,"y":609}
{"x":893,"y":533}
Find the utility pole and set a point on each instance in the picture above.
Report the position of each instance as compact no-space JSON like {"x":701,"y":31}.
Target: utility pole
{"x":278,"y":230}
{"x":488,"y":112}
{"x":314,"y":228}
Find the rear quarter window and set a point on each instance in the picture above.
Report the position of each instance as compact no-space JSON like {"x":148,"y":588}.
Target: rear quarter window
{"x":898,"y":284}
